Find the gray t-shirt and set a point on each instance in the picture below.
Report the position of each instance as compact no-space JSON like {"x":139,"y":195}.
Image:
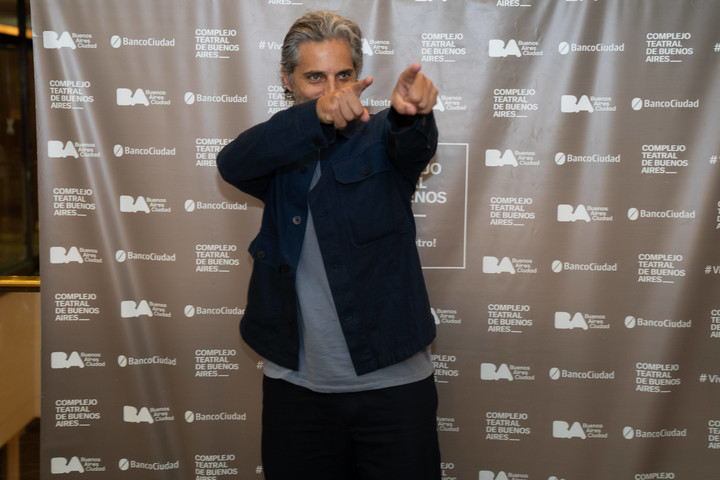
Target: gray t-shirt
{"x":325,"y":364}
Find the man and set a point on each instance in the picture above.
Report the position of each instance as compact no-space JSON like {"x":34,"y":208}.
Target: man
{"x":337,"y":304}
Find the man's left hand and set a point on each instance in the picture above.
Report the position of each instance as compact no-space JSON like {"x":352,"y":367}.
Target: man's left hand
{"x":414,"y":93}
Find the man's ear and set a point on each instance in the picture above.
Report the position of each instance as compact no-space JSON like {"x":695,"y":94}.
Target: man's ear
{"x":286,"y":81}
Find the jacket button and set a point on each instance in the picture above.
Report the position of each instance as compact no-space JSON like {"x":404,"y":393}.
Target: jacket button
{"x":303,"y":169}
{"x":367,"y":170}
{"x":260,"y":255}
{"x":297,"y":220}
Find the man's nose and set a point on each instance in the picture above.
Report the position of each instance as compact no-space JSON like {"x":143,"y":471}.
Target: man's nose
{"x":331,"y":85}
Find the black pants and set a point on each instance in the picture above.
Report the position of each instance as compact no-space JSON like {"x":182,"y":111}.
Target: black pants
{"x":389,"y":433}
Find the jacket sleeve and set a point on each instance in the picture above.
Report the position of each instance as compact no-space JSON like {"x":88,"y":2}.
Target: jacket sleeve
{"x":411,"y":149}
{"x":250,"y":161}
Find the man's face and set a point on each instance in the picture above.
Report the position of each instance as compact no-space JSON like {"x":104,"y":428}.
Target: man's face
{"x":324,"y":67}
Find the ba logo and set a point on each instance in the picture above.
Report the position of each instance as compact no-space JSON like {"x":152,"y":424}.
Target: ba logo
{"x":62,"y":360}
{"x":60,"y":255}
{"x":125,"y":97}
{"x":132,"y":415}
{"x":130,"y":309}
{"x":435,"y":316}
{"x":63,"y":465}
{"x":497,"y":48}
{"x":52,"y":40}
{"x":493,"y":265}
{"x":439,"y":105}
{"x":564,"y":430}
{"x":493,"y":158}
{"x":571,"y":104}
{"x":565,"y":213}
{"x":130,"y":205}
{"x":488,"y":475}
{"x":488,"y":371}
{"x":564,"y":321}
{"x":56,"y":149}
{"x":366,"y":48}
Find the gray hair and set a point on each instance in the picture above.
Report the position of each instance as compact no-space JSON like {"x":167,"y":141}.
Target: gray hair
{"x":318,"y":27}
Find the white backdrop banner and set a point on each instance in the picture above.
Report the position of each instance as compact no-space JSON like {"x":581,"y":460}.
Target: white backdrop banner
{"x":568,"y":227}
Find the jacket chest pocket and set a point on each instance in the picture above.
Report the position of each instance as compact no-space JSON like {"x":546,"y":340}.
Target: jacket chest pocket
{"x":370,"y":199}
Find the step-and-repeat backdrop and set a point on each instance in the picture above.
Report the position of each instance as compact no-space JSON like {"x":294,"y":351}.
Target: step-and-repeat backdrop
{"x":568,"y":226}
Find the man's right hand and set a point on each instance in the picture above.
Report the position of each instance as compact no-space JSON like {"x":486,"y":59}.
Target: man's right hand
{"x":342,"y":106}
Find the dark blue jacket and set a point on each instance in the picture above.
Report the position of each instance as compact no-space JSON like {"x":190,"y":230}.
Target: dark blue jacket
{"x":365,"y":227}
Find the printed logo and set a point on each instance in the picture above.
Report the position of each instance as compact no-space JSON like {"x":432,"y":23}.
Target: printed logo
{"x":125,"y":361}
{"x":70,"y":306}
{"x":496,"y":158}
{"x":490,"y":371}
{"x":656,"y":377}
{"x":372,"y":47}
{"x":663,"y":159}
{"x":499,"y":49}
{"x":191,"y":417}
{"x":206,"y":149}
{"x":445,"y":316}
{"x":443,"y":365}
{"x":441,"y":47}
{"x":506,"y":426}
{"x":573,"y":104}
{"x":133,"y":415}
{"x":563,"y":158}
{"x":490,"y":475}
{"x":61,"y":360}
{"x":125,"y":464}
{"x":507,"y":265}
{"x":513,"y":102}
{"x":146,"y":415}
{"x":215,"y":43}
{"x":632,"y":322}
{"x":504,"y":318}
{"x":630,"y":433}
{"x":193,"y":205}
{"x":191,"y":98}
{"x":215,"y":258}
{"x":56,"y":149}
{"x":132,"y":309}
{"x":69,"y":94}
{"x":61,"y":255}
{"x":129,"y":204}
{"x":61,"y":465}
{"x":120,"y":150}
{"x":565,"y":47}
{"x":126,"y":97}
{"x":583,"y":321}
{"x":215,"y":362}
{"x":54,"y":41}
{"x":71,"y":412}
{"x":116,"y":41}
{"x":568,"y":213}
{"x":448,"y":103}
{"x":659,"y":267}
{"x":562,"y":429}
{"x":556,"y":373}
{"x":559,"y":266}
{"x":122,"y":256}
{"x":667,"y":47}
{"x":640,"y":103}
